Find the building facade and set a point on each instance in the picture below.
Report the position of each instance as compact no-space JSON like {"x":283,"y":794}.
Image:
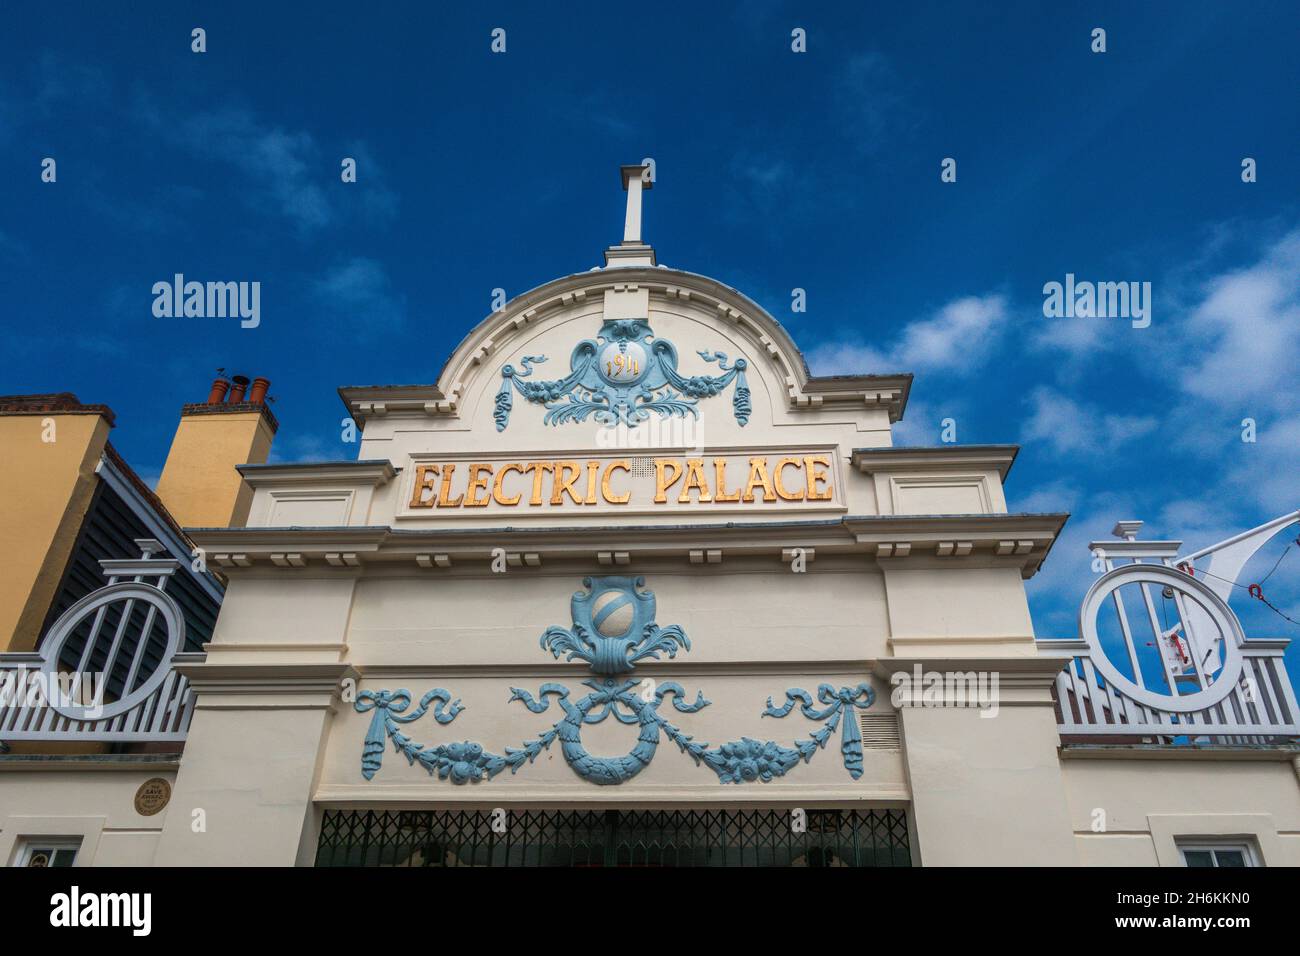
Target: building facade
{"x":629,"y":585}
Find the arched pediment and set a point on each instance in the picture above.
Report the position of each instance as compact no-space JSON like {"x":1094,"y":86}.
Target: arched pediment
{"x":698,"y":341}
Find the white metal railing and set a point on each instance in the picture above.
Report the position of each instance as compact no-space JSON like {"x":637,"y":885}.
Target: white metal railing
{"x":1260,"y":708}
{"x":1216,"y":684}
{"x":111,"y":692}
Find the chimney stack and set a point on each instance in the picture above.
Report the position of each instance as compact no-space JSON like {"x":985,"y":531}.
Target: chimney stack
{"x":199,"y":483}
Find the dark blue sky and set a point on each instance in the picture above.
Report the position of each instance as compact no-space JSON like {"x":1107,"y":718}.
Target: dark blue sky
{"x":775,"y":170}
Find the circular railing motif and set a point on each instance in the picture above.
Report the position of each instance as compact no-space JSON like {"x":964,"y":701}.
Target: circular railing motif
{"x":137,"y":685}
{"x":1214,"y":609}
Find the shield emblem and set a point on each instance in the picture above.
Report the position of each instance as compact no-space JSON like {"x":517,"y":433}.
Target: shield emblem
{"x":612,"y":608}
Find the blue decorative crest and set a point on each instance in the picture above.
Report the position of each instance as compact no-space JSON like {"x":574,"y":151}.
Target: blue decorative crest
{"x":613,"y":628}
{"x":621,"y":376}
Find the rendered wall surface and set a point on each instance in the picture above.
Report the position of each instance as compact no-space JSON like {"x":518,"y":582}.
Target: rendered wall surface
{"x":967,"y":611}
{"x":735,"y":618}
{"x":95,"y":805}
{"x":199,"y":484}
{"x":672,"y":777}
{"x":250,"y":767}
{"x":987,"y":791}
{"x":1144,"y":806}
{"x":45,"y":489}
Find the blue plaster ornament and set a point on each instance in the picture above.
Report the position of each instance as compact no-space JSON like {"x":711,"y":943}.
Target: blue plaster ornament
{"x":838,"y":709}
{"x":621,"y":376}
{"x":607,"y":639}
{"x":613,"y":628}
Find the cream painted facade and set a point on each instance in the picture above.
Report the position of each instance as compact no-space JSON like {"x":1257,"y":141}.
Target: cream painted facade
{"x":350,"y":578}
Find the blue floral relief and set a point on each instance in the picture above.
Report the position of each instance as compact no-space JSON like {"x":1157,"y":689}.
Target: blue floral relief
{"x":621,"y":376}
{"x":744,"y":760}
{"x":838,"y":710}
{"x":613,"y":628}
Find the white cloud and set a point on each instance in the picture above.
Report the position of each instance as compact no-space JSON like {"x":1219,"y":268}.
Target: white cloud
{"x":280,"y":160}
{"x":920,"y":425}
{"x":359,"y":290}
{"x":1050,"y":498}
{"x":1264,"y":476}
{"x":1235,"y":334}
{"x":845,"y":358}
{"x":1243,"y":338}
{"x":300,"y":448}
{"x":762,"y":172}
{"x":956,"y":338}
{"x":285,"y":170}
{"x":1071,"y":427}
{"x":1077,"y":334}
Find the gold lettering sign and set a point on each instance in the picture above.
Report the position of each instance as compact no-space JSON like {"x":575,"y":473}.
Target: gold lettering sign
{"x":789,"y":480}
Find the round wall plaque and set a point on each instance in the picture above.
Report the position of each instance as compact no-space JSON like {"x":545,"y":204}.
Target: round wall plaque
{"x":152,"y":796}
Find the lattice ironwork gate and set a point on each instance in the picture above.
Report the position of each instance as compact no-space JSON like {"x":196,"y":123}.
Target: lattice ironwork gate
{"x":613,"y":838}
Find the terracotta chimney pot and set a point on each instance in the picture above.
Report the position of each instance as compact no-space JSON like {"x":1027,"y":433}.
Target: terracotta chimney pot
{"x":257,"y":394}
{"x":218,"y":393}
{"x":240,"y":385}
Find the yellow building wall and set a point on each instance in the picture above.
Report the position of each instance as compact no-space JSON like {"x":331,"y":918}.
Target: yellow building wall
{"x":45,"y":490}
{"x":199,"y":483}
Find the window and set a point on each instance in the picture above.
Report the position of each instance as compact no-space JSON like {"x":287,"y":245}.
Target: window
{"x":43,"y":851}
{"x":1217,"y":854}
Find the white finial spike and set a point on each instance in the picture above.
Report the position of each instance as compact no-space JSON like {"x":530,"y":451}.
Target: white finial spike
{"x":632,"y":251}
{"x":632,"y":222}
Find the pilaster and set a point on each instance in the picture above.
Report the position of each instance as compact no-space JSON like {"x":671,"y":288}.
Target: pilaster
{"x":243,"y":794}
{"x":986,"y":782}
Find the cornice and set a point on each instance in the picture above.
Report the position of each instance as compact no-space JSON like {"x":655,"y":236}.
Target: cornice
{"x":1212,"y":752}
{"x":1063,"y":647}
{"x":1021,"y":681}
{"x":98,"y":763}
{"x":283,"y":685}
{"x":1026,"y":536}
{"x":1022,"y":671}
{"x":60,"y":403}
{"x":397,"y":796}
{"x":562,"y":670}
{"x":935,"y":458}
{"x":940,"y":540}
{"x":374,"y":472}
{"x":366,"y":401}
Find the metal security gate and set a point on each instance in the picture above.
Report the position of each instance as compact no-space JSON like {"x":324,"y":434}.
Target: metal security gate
{"x":613,"y":838}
